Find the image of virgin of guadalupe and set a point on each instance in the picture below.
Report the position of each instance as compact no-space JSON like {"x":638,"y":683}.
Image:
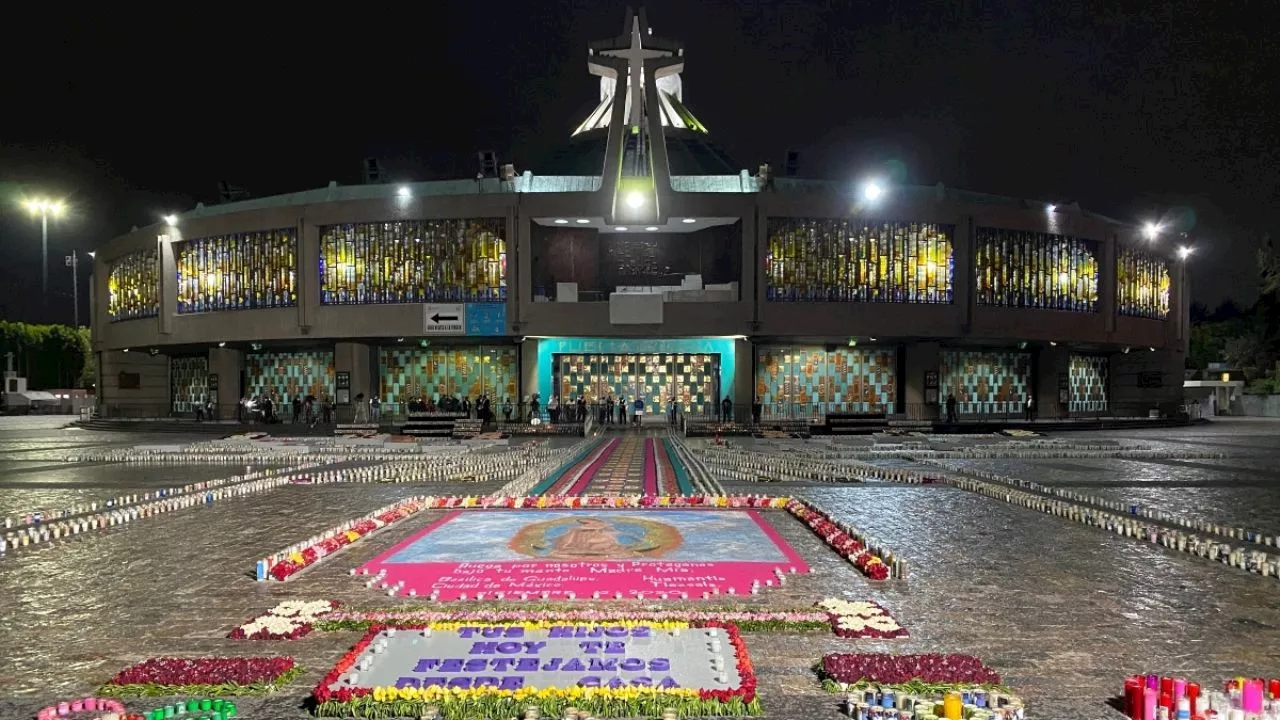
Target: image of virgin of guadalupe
{"x":590,"y":538}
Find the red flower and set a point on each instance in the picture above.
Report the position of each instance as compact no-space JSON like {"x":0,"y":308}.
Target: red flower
{"x":203,"y":671}
{"x":897,"y":669}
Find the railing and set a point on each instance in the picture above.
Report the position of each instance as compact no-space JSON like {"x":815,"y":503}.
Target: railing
{"x":938,"y":412}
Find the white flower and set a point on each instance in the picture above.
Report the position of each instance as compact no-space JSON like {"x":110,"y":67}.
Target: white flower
{"x":880,"y":622}
{"x":272,"y":624}
{"x":302,"y":609}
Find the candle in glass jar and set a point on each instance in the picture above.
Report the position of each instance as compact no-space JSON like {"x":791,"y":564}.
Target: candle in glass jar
{"x":1193,"y":694}
{"x":952,"y":708}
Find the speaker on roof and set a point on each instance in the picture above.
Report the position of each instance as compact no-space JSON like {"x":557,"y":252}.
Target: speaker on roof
{"x":509,"y":172}
{"x":488,"y":163}
{"x":230,"y":193}
{"x":372,"y":171}
{"x":792,"y":167}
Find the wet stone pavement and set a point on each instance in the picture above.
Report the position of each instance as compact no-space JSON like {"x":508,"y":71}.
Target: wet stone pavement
{"x":1063,"y":611}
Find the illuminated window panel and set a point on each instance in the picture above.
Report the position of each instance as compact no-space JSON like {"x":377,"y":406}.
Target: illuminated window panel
{"x":283,"y":376}
{"x":811,"y":381}
{"x":1142,"y":284}
{"x":414,"y":261}
{"x":657,"y":378}
{"x":1021,"y":269}
{"x":409,"y":374}
{"x":188,"y":383}
{"x":133,"y":287}
{"x":1089,"y":387}
{"x":819,"y":260}
{"x":241,"y":271}
{"x":985,"y":383}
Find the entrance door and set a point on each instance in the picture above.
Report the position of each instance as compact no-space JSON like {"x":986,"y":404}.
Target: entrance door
{"x":689,"y":378}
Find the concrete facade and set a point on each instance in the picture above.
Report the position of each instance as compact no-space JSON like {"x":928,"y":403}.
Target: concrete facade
{"x":637,"y":188}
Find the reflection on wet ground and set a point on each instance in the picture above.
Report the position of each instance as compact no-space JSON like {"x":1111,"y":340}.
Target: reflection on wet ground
{"x":1063,"y":610}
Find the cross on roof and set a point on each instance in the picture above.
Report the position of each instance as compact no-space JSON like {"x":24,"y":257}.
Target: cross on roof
{"x":635,"y":55}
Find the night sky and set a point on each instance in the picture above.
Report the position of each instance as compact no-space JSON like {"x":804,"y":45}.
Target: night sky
{"x":1167,"y":111}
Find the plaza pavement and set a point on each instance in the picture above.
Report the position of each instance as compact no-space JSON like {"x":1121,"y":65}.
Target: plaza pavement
{"x":1063,"y":611}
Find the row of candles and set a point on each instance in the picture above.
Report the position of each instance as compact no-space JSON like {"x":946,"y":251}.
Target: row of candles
{"x":1132,"y":509}
{"x":1254,"y":561}
{"x":413,"y":504}
{"x":536,"y":472}
{"x":38,"y":517}
{"x":886,"y":703}
{"x":33,"y":536}
{"x":754,"y":466}
{"x":1152,"y":697}
{"x":196,"y":709}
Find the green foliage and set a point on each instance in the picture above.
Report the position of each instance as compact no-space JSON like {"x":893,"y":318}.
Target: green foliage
{"x":1263,"y":386}
{"x":49,"y":356}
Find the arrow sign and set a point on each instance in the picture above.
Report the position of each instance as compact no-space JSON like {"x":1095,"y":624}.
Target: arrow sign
{"x":448,"y":319}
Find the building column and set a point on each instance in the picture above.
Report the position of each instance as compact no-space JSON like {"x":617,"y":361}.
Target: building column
{"x":225,"y":364}
{"x":529,"y":379}
{"x":1107,"y":284}
{"x":742,"y":385}
{"x":1053,"y":367}
{"x":308,"y":275}
{"x":168,"y":268}
{"x":921,"y":359}
{"x":357,"y":359}
{"x":962,"y":281}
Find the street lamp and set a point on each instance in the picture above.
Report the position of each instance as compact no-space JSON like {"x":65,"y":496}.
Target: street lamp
{"x":1151,"y":230}
{"x":44,"y":208}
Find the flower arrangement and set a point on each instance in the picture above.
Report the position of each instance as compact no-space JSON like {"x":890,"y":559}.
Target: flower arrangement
{"x":107,"y":706}
{"x":288,"y":563}
{"x":158,"y":677}
{"x":842,"y":539}
{"x":289,"y":620}
{"x":884,"y":669}
{"x":861,"y":620}
{"x":492,"y":703}
{"x":746,"y":620}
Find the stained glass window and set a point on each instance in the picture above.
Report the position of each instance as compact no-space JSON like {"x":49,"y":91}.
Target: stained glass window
{"x":1142,"y":284}
{"x":414,"y":261}
{"x":985,"y":383}
{"x":189,"y":383}
{"x":133,"y":287}
{"x":241,"y":271}
{"x":1035,"y":270}
{"x":1089,"y":387}
{"x":412,"y":373}
{"x":283,"y":376}
{"x":855,"y":261}
{"x":658,"y":378}
{"x":810,"y":381}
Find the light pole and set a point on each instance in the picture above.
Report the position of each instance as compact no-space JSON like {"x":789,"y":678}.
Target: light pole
{"x":44,"y":208}
{"x":73,"y":262}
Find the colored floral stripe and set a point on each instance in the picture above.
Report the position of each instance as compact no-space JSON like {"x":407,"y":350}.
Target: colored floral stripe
{"x":882,"y":668}
{"x":584,"y":477}
{"x":542,"y":487}
{"x":861,"y":620}
{"x":650,"y":468}
{"x":284,"y":565}
{"x":683,"y":483}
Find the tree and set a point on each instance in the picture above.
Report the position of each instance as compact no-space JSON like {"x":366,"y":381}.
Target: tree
{"x":49,"y":356}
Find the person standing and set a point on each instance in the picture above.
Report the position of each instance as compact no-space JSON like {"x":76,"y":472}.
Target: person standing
{"x":671,"y":412}
{"x":622,"y":410}
{"x":1030,"y":410}
{"x":553,"y":409}
{"x":637,"y":418}
{"x":726,"y":409}
{"x":756,"y":410}
{"x":952,"y":415}
{"x":608,"y":410}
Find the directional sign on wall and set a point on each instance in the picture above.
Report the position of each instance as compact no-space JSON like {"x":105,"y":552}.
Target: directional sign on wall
{"x":444,"y":319}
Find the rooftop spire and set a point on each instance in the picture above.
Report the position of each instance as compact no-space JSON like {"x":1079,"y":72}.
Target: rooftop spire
{"x":634,"y":47}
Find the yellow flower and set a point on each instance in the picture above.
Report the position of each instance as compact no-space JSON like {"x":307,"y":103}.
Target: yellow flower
{"x":352,"y":535}
{"x":379,"y":693}
{"x":297,"y":558}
